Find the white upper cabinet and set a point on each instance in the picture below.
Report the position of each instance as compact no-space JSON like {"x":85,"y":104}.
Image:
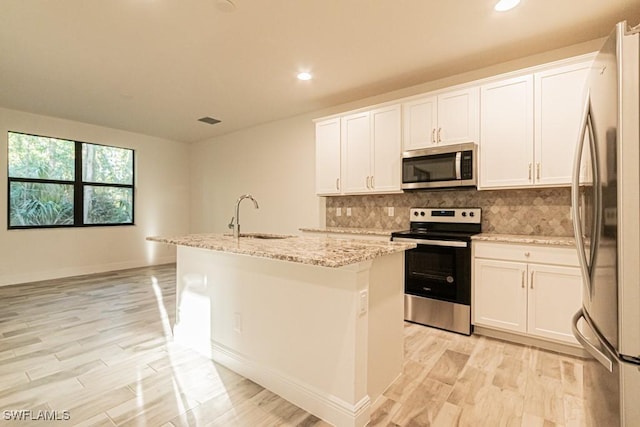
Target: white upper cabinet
{"x":420,"y":119}
{"x":447,"y":118}
{"x":328,"y":157}
{"x":530,"y":126}
{"x":526,"y":125}
{"x":356,"y":154}
{"x":371,"y":151}
{"x":459,"y":116}
{"x":386,"y":147}
{"x":559,"y":101}
{"x":360,"y":153}
{"x":506,"y":136}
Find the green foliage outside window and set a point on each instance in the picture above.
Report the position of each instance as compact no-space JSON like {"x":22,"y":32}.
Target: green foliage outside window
{"x":45,"y":188}
{"x":36,"y":204}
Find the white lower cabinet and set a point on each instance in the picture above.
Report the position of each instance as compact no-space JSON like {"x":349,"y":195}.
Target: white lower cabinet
{"x":500,"y":299}
{"x":527,"y":289}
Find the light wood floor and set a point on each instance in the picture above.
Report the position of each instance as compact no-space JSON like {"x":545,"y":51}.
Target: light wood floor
{"x":100,"y":347}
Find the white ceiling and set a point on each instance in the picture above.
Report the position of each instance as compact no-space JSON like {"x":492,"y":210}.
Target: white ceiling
{"x":156,"y":66}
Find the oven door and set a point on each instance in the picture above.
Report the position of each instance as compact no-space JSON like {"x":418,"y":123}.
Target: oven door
{"x":440,"y":271}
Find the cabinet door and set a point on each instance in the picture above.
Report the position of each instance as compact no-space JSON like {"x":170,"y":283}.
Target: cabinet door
{"x":555,"y":294}
{"x":500,"y":294}
{"x":559,"y":102}
{"x":458,"y":116}
{"x":506,"y":148}
{"x":386,"y":140}
{"x":328,"y":157}
{"x":420,"y":119}
{"x":355,"y":153}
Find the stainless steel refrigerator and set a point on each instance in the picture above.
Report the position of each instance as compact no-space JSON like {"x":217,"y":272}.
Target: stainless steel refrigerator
{"x":606,"y":217}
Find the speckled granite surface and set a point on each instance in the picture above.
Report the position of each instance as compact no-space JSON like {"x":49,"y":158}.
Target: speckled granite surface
{"x":519,"y":238}
{"x":353,"y":230}
{"x":320,"y":251}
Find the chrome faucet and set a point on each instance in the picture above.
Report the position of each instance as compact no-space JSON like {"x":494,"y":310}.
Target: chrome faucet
{"x":236,"y":226}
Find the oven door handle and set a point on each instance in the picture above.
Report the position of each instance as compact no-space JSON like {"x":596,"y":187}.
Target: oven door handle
{"x":449,"y":243}
{"x":445,"y":279}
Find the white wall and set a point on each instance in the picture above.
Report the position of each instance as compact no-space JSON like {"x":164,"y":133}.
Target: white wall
{"x":162,"y":207}
{"x":274,"y":162}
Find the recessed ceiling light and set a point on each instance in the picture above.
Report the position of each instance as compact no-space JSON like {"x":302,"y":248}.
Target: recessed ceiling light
{"x":304,"y":76}
{"x":504,"y":5}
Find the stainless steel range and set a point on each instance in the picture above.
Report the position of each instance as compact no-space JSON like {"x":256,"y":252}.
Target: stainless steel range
{"x":438,"y":271}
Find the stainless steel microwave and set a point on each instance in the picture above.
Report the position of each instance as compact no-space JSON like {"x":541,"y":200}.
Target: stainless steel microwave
{"x":440,"y":167}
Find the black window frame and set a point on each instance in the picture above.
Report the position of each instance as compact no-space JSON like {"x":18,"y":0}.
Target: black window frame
{"x":78,"y":187}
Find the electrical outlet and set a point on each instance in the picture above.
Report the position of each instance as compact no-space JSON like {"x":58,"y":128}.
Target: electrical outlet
{"x":364,"y":302}
{"x":338,"y":211}
{"x":348,"y":211}
{"x":391,"y":211}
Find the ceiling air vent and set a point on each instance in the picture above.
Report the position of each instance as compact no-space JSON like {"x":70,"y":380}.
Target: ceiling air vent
{"x":209,"y":120}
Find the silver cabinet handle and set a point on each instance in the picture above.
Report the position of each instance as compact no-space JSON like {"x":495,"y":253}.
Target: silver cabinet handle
{"x":368,"y":183}
{"x":337,"y":183}
{"x":529,"y":171}
{"x":372,"y":182}
{"x":439,"y":131}
{"x":433,"y":135}
{"x":531,"y":284}
{"x":527,"y":254}
{"x":522,"y":279}
{"x":538,"y":170}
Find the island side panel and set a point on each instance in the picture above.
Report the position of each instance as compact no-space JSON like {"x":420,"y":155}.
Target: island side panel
{"x":297,"y":329}
{"x":386,"y":323}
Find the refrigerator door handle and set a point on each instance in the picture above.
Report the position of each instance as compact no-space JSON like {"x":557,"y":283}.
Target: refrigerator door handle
{"x":575,"y":196}
{"x":597,"y":198}
{"x":587,"y":266}
{"x":606,"y":360}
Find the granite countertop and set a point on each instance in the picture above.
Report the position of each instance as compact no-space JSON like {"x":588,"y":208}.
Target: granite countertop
{"x":351,"y":230}
{"x":320,"y":251}
{"x":521,"y":238}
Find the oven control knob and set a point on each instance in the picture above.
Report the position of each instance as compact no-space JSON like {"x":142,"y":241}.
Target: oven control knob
{"x":449,"y":279}
{"x":471,"y":214}
{"x":464,"y":214}
{"x":422,"y":213}
{"x":415,"y":214}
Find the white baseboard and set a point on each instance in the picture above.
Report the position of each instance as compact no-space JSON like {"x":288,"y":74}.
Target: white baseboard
{"x":317,"y":402}
{"x":37,"y":276}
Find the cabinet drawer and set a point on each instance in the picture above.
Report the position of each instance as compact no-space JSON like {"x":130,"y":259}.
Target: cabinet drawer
{"x":527,"y":253}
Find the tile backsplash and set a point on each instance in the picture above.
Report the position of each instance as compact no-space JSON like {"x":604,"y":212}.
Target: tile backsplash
{"x":543,"y":212}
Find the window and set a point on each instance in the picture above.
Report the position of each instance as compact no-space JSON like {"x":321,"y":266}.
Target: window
{"x":61,"y":183}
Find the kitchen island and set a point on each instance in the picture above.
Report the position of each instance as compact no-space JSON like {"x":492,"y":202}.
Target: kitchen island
{"x":316,"y":320}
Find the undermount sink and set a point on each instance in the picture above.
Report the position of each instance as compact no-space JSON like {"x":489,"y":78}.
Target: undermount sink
{"x":263,"y":236}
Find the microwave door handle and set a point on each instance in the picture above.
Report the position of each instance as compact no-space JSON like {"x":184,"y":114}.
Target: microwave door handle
{"x":458,"y":161}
